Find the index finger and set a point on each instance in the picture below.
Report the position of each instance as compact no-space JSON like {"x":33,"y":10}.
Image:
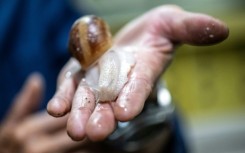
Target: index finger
{"x":28,"y":99}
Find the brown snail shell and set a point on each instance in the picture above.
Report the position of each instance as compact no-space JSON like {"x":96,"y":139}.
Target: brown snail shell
{"x":89,"y":39}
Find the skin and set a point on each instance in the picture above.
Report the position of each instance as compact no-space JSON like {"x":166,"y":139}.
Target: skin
{"x":24,"y":131}
{"x":156,"y":33}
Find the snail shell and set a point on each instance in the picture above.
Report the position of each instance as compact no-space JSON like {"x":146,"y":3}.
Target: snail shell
{"x":89,"y":39}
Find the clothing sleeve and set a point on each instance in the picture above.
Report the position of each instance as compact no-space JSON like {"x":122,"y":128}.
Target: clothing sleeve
{"x":33,"y":38}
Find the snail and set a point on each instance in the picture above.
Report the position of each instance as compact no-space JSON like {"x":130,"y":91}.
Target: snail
{"x":89,"y":39}
{"x":90,"y":42}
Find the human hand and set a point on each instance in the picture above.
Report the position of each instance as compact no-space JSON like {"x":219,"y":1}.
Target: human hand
{"x":22,"y":131}
{"x":156,"y":34}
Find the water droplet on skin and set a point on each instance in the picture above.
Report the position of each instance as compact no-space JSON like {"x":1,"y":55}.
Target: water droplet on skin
{"x":123,"y":107}
{"x":99,"y":125}
{"x":207,"y":28}
{"x":68,"y":74}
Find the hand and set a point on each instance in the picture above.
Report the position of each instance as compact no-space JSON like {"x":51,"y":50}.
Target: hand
{"x":22,"y":131}
{"x":156,"y":33}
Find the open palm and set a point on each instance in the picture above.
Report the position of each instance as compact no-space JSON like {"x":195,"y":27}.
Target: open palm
{"x":155,"y":34}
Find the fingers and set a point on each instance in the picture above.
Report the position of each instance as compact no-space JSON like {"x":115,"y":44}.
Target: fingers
{"x":57,"y":143}
{"x":71,"y":68}
{"x":82,"y":107}
{"x":174,"y":24}
{"x":101,"y":123}
{"x":24,"y":104}
{"x":87,"y":118}
{"x":131,"y":99}
{"x":193,"y":28}
{"x":150,"y":64}
{"x":60,"y":104}
{"x":28,"y":99}
{"x":38,"y":124}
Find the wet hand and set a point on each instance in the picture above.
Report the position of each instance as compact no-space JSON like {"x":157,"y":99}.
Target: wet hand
{"x":155,"y":35}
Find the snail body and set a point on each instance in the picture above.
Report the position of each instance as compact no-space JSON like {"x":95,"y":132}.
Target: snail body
{"x":90,"y":43}
{"x":114,"y":68}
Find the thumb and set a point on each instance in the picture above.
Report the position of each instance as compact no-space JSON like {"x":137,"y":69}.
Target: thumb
{"x":174,"y":24}
{"x":28,"y":98}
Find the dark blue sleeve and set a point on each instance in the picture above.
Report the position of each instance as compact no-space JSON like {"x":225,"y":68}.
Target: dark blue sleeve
{"x":33,"y":38}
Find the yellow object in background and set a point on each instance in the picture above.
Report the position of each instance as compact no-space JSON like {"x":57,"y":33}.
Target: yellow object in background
{"x":208,"y":88}
{"x":208,"y":81}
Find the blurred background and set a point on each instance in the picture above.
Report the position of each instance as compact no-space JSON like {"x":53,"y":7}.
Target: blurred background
{"x":207,"y":83}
